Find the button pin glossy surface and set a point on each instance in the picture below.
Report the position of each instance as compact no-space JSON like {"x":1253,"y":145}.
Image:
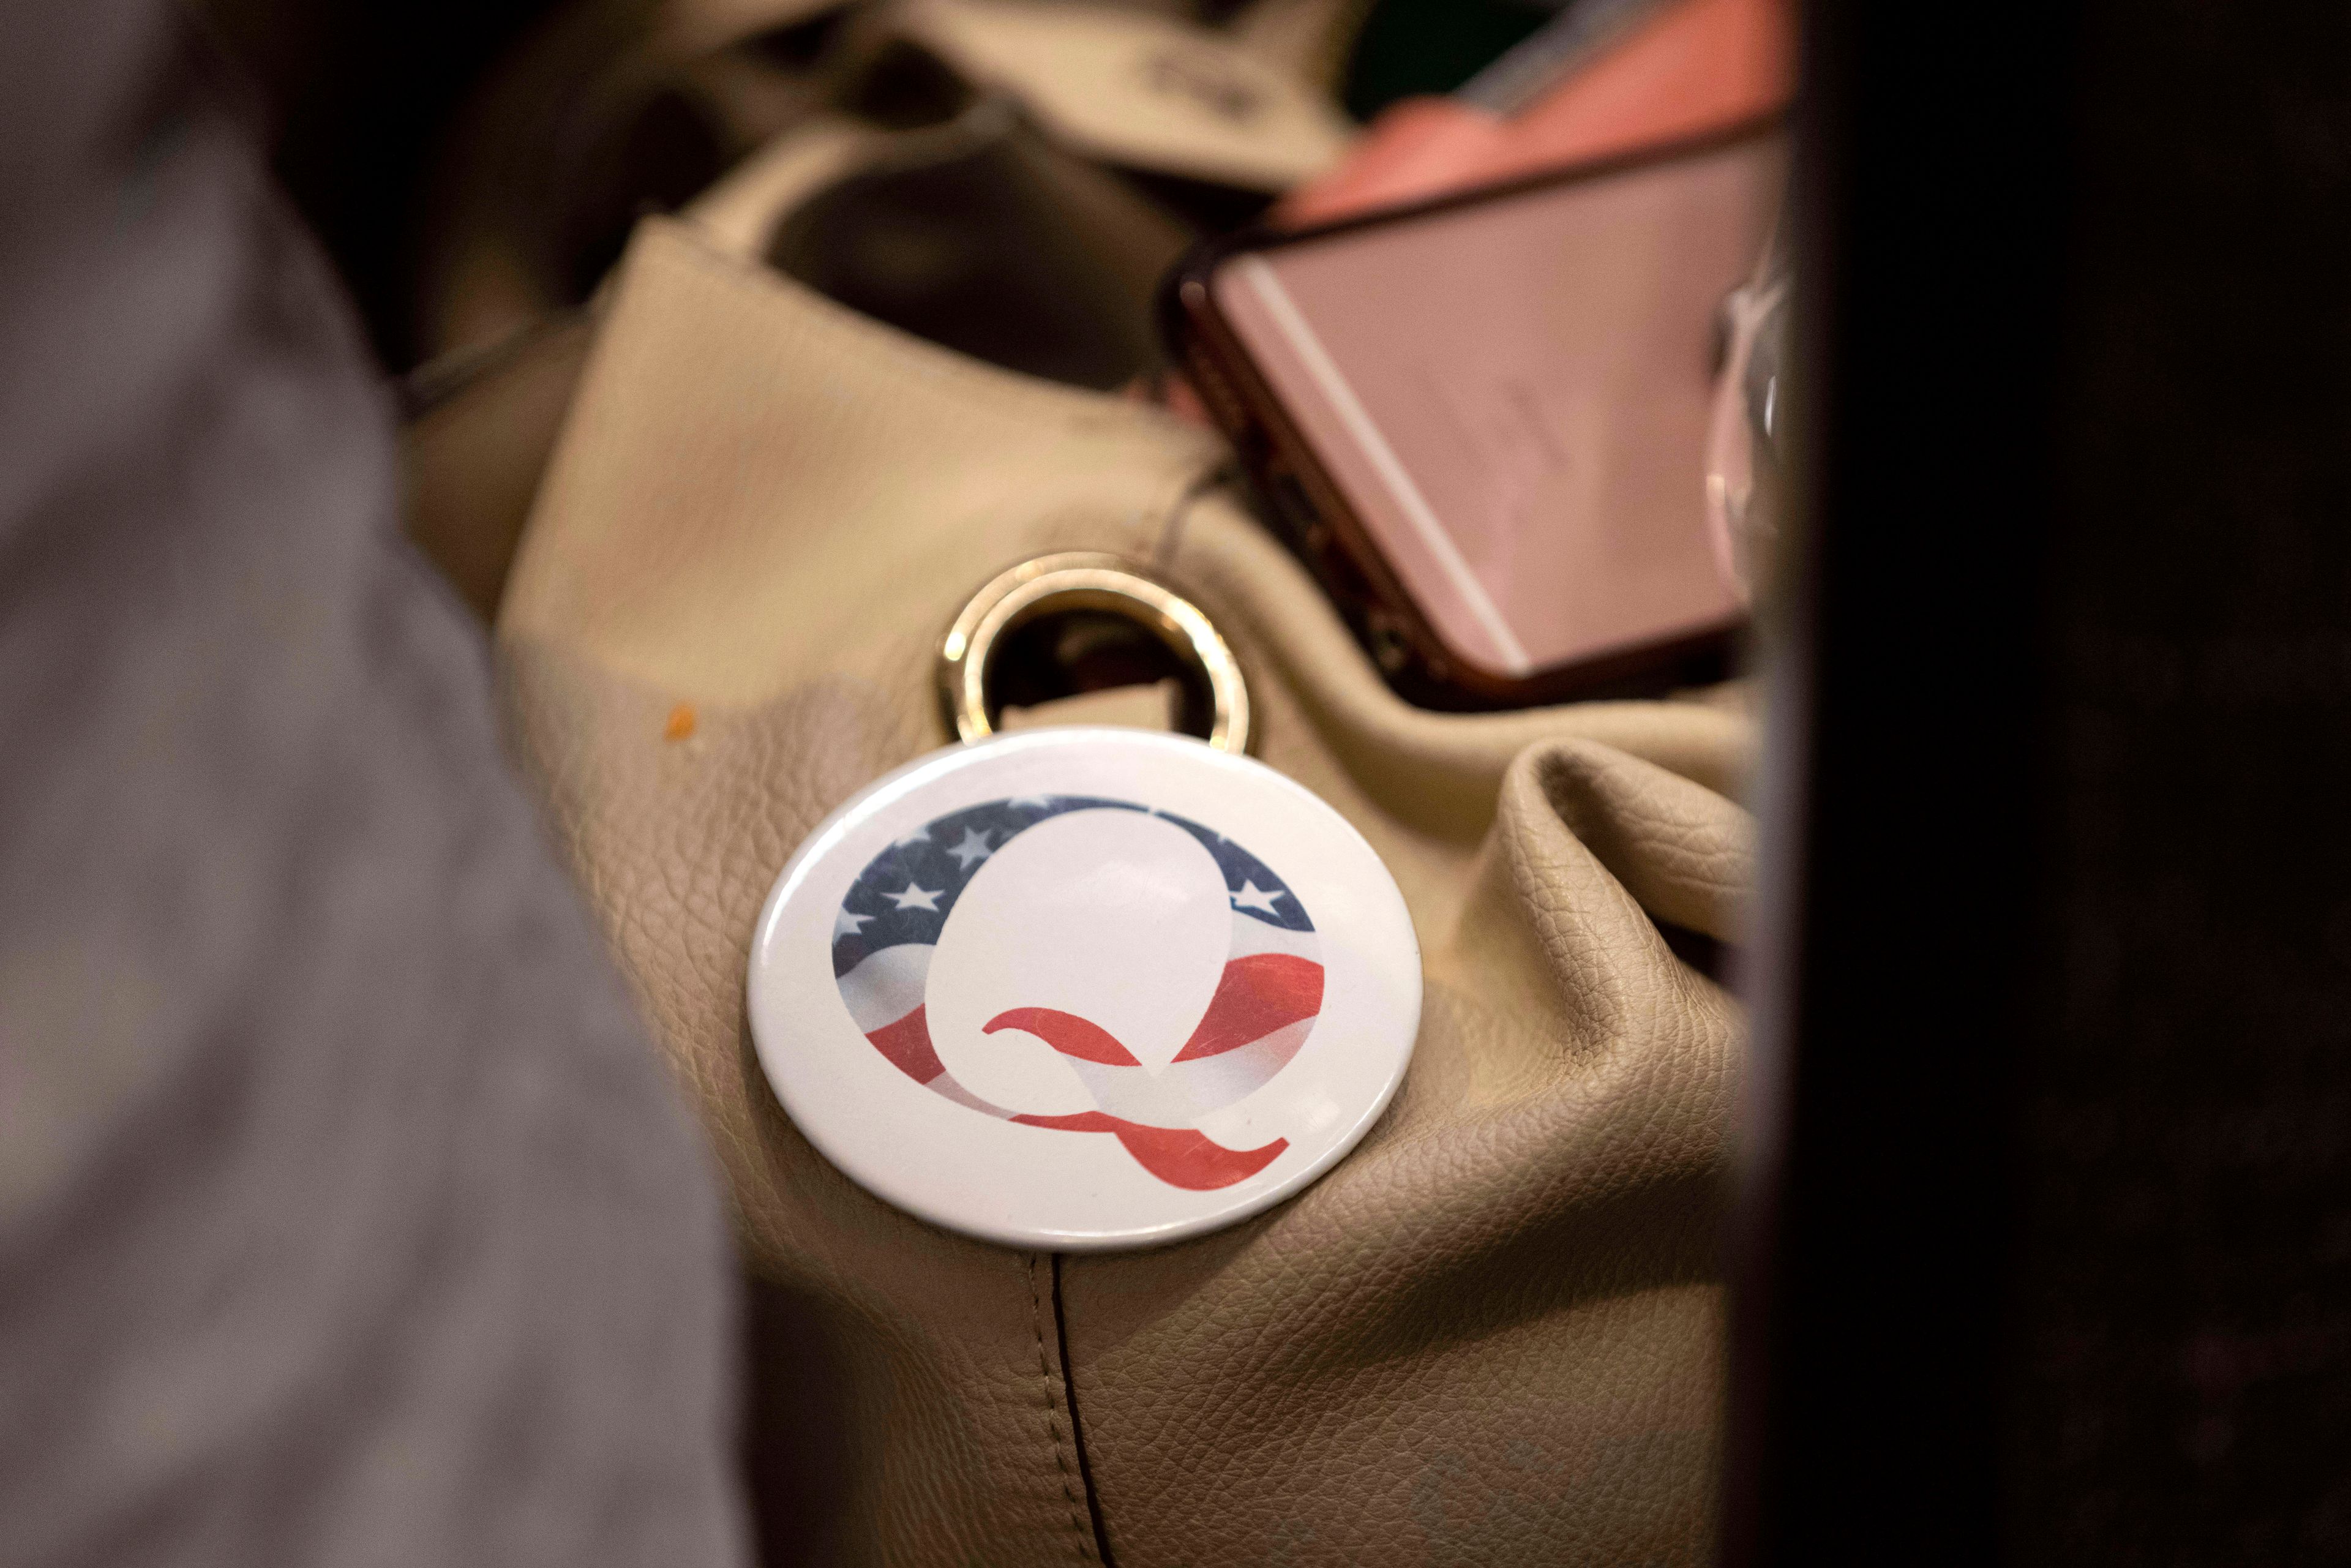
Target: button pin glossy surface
{"x":1084,"y":988}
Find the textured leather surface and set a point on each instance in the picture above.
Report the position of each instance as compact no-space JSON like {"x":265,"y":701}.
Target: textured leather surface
{"x":1489,"y":1336}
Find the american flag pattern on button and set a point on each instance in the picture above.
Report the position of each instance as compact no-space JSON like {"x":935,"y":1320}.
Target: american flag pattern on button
{"x":1264,"y":1006}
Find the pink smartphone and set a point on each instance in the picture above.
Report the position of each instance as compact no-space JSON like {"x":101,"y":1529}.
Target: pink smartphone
{"x":1484,"y":421}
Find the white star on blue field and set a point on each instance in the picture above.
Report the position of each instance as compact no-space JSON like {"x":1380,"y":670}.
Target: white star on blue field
{"x":907,"y":892}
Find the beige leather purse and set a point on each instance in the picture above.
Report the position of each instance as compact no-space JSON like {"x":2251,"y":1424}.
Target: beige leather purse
{"x":1491,"y":1335}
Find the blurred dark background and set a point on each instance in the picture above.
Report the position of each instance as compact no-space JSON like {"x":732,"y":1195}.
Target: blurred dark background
{"x":358,"y":98}
{"x":362,"y":101}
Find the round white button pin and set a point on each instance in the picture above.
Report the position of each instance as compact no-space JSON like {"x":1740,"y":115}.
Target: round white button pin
{"x":1082,"y":989}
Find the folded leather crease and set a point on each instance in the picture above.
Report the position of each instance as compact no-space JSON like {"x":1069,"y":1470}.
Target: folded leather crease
{"x":1532,"y":1220}
{"x":1493,"y":1334}
{"x":1662,"y":838}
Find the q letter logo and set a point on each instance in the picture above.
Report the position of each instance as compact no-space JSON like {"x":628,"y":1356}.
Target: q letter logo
{"x":1118,"y":970}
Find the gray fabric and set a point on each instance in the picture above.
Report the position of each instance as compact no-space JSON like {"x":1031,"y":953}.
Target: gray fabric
{"x":345,"y":1216}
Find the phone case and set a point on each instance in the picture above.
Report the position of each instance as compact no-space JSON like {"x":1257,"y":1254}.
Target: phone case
{"x":1432,"y":663}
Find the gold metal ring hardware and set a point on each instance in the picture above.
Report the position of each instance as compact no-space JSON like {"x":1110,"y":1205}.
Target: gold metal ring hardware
{"x":1085,"y":581}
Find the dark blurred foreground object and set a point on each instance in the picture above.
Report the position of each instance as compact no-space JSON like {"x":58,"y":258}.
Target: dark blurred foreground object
{"x":345,"y":1214}
{"x":2048,"y":1159}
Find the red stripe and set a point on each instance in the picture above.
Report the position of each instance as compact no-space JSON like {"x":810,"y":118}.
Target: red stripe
{"x":1180,"y":1157}
{"x":1067,"y":1034}
{"x":1259,"y":994}
{"x":907,"y":1044}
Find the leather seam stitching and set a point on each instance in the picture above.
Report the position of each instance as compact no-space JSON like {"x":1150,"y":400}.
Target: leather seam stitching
{"x":1077,"y":1421}
{"x":1078,"y":1514}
